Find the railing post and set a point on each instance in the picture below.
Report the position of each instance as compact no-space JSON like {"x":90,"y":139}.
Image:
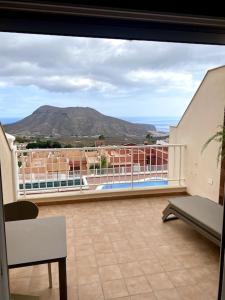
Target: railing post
{"x":15,"y":173}
{"x":125,"y":170}
{"x":46,"y":172}
{"x":174,"y":164}
{"x":156,"y":162}
{"x":119,"y":178}
{"x":58,"y":174}
{"x":53,"y":174}
{"x":100,"y":167}
{"x":24,"y":179}
{"x":144,"y":161}
{"x":180,"y":166}
{"x":107,"y":167}
{"x":80,"y":173}
{"x":138,"y":164}
{"x":132,"y":167}
{"x":113,"y":168}
{"x":150,"y":161}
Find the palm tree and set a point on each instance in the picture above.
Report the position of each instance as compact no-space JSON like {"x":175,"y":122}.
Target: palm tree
{"x":219,"y":137}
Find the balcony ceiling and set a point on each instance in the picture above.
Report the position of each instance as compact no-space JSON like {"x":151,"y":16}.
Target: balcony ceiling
{"x":149,"y":6}
{"x":116,"y":19}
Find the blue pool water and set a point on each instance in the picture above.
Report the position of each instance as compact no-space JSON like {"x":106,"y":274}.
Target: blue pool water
{"x":135,"y":184}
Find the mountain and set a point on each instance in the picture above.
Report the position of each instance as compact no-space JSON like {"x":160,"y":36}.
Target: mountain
{"x":74,"y":121}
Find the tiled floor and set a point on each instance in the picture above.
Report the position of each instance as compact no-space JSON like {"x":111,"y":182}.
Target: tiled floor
{"x":122,"y":250}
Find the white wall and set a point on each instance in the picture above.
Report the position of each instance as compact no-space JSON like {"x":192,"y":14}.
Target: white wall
{"x":200,"y":121}
{"x":6,"y":168}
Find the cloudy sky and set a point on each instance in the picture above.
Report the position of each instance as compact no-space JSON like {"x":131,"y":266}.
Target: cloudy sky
{"x":117,"y":77}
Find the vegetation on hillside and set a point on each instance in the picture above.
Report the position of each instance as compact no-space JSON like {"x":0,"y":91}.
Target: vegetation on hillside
{"x":22,"y":139}
{"x":101,"y":137}
{"x":43,"y":144}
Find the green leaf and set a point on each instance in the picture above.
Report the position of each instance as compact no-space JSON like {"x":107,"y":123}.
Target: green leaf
{"x":218,"y":137}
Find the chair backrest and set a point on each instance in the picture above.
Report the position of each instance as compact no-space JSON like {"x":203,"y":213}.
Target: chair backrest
{"x":20,"y":210}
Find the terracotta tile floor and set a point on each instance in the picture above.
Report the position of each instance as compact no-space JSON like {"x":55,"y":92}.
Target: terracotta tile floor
{"x":122,"y":250}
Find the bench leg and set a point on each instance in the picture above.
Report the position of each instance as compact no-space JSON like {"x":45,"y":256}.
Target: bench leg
{"x":168,"y":212}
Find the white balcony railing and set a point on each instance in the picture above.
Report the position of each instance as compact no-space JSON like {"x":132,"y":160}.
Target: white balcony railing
{"x":98,"y":168}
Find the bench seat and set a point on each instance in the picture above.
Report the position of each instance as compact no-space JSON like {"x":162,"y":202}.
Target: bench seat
{"x":203,"y":214}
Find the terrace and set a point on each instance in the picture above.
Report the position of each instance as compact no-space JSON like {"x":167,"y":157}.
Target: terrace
{"x":122,"y":250}
{"x":116,"y":249}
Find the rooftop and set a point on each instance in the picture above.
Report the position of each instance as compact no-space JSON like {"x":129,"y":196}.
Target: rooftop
{"x":121,"y":250}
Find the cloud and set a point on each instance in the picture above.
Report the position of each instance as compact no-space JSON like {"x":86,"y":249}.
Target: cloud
{"x":2,"y":84}
{"x":64,"y":83}
{"x":66,"y":64}
{"x":101,"y":70}
{"x":170,"y":79}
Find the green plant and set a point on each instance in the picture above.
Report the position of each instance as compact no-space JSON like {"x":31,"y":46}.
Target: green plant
{"x":68,"y":146}
{"x":218,"y":137}
{"x":150,"y":138}
{"x":101,"y":137}
{"x":103,"y":162}
{"x":43,"y":144}
{"x":21,"y":140}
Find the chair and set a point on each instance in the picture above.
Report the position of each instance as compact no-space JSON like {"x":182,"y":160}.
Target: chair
{"x":202,"y":214}
{"x":24,"y":210}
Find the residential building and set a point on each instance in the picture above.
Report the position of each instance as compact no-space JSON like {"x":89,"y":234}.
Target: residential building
{"x":200,"y":121}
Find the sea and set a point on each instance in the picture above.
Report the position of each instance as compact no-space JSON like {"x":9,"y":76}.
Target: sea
{"x":161,"y":123}
{"x":8,"y":120}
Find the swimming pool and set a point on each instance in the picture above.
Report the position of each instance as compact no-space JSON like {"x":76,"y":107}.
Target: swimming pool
{"x":127,"y":185}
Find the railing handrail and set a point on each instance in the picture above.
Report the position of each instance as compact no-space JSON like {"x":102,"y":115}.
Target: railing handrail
{"x":100,"y":147}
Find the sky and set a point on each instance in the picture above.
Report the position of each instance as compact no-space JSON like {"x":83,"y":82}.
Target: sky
{"x":116,"y":77}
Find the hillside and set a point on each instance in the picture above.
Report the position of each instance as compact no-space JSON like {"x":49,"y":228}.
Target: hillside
{"x":74,"y":121}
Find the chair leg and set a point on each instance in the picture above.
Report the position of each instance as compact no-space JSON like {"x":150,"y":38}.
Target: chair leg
{"x":50,"y":275}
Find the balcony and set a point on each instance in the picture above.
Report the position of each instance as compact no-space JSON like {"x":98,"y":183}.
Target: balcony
{"x":122,"y":250}
{"x":80,"y":171}
{"x":116,"y":249}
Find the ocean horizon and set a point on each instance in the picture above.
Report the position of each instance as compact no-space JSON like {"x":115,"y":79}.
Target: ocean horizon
{"x":161,"y":123}
{"x":8,"y":120}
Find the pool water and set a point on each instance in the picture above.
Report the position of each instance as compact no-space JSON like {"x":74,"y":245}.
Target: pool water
{"x":134,"y":185}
